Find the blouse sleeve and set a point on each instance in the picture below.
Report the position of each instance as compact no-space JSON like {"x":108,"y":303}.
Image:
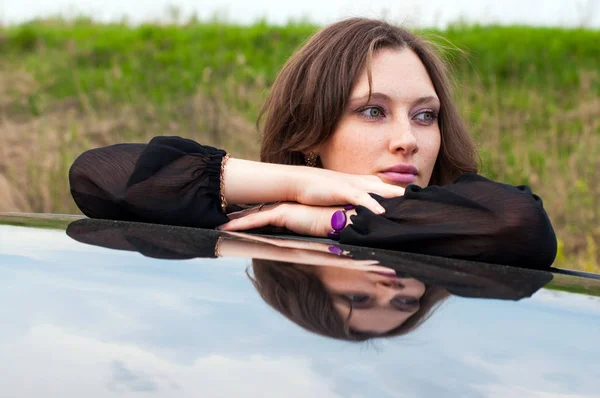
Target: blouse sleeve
{"x":473,"y":219}
{"x":170,"y":180}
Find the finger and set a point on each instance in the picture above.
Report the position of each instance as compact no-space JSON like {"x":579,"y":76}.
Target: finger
{"x":377,"y":268}
{"x":373,"y":184}
{"x":245,"y":212}
{"x":366,"y":262}
{"x":238,"y":214}
{"x":269,"y":241}
{"x":387,"y":190}
{"x":241,"y":235}
{"x":364,"y":199}
{"x":251,"y":221}
{"x":392,"y":191}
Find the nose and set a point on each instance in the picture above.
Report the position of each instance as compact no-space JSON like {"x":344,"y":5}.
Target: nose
{"x":402,"y":137}
{"x":389,"y":288}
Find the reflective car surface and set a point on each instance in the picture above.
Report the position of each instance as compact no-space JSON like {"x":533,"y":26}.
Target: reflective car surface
{"x":96,"y":308}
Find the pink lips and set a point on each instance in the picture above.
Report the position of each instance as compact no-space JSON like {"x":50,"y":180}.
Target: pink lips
{"x":401,"y":174}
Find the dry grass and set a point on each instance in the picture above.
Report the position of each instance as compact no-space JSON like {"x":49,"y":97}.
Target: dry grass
{"x":36,"y":153}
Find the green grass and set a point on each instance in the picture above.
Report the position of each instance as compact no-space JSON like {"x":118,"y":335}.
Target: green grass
{"x":39,"y":221}
{"x":590,"y":287}
{"x":165,"y":63}
{"x":530,"y":96}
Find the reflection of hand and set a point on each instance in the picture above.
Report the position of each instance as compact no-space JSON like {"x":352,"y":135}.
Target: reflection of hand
{"x":293,"y":251}
{"x":285,"y":243}
{"x":301,"y":219}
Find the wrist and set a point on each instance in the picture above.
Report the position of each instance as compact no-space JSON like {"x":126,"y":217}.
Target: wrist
{"x":291,"y":179}
{"x":294,"y":179}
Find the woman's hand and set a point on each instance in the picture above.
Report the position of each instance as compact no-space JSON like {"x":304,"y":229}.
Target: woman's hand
{"x":299,"y":218}
{"x":255,"y":182}
{"x":321,"y":187}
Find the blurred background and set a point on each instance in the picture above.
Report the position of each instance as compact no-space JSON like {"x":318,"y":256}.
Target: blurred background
{"x":77,"y":75}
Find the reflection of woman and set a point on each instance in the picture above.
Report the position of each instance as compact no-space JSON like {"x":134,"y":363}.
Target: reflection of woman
{"x":321,"y":288}
{"x":369,"y":108}
{"x":343,"y":303}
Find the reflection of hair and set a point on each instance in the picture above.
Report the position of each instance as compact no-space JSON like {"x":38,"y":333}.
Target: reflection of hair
{"x":311,"y":92}
{"x":302,"y":298}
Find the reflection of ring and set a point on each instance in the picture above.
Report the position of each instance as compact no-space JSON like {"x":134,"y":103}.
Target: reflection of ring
{"x":338,"y":251}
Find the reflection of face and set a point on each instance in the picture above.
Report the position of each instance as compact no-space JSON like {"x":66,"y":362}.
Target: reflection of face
{"x":398,"y":126}
{"x":379,"y":302}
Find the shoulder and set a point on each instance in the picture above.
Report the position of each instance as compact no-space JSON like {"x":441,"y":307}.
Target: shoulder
{"x":478,"y":179}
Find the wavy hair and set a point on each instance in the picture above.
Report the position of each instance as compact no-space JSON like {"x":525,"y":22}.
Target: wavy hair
{"x":308,"y":98}
{"x":302,"y":298}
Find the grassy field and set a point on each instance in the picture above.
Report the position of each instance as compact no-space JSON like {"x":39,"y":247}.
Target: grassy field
{"x":531,"y":97}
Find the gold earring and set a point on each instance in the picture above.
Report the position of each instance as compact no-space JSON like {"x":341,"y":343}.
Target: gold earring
{"x":311,"y":159}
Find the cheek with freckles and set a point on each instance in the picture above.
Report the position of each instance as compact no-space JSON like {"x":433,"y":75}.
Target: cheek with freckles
{"x":429,"y":149}
{"x":351,"y":150}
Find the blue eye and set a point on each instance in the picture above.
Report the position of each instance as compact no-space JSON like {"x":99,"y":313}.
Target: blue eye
{"x":372,"y":112}
{"x":355,"y":298}
{"x":426,"y":117}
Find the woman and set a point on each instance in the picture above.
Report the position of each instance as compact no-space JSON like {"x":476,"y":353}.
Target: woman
{"x":361,"y":115}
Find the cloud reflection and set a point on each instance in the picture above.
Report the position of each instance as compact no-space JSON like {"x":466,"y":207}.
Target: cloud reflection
{"x":105,"y":323}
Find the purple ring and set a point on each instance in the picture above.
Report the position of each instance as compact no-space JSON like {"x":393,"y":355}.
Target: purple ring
{"x":336,"y":250}
{"x":338,"y":221}
{"x":333,"y":235}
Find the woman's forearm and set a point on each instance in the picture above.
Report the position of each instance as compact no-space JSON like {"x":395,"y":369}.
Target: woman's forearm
{"x":246,"y":181}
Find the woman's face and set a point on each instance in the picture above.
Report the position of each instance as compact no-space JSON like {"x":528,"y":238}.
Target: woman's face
{"x":380,"y":301}
{"x":394,"y":136}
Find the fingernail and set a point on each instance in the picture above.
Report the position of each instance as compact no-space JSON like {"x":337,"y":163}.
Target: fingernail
{"x":380,"y":210}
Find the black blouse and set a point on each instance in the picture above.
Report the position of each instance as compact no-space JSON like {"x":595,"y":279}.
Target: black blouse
{"x":176,"y":181}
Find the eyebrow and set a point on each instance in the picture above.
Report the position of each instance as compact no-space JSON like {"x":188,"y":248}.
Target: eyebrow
{"x":385,"y":97}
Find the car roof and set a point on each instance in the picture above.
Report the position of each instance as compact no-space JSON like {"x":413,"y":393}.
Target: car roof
{"x":102,"y":308}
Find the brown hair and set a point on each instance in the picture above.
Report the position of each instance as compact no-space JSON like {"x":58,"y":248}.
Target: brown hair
{"x":311,"y":92}
{"x":302,"y":298}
